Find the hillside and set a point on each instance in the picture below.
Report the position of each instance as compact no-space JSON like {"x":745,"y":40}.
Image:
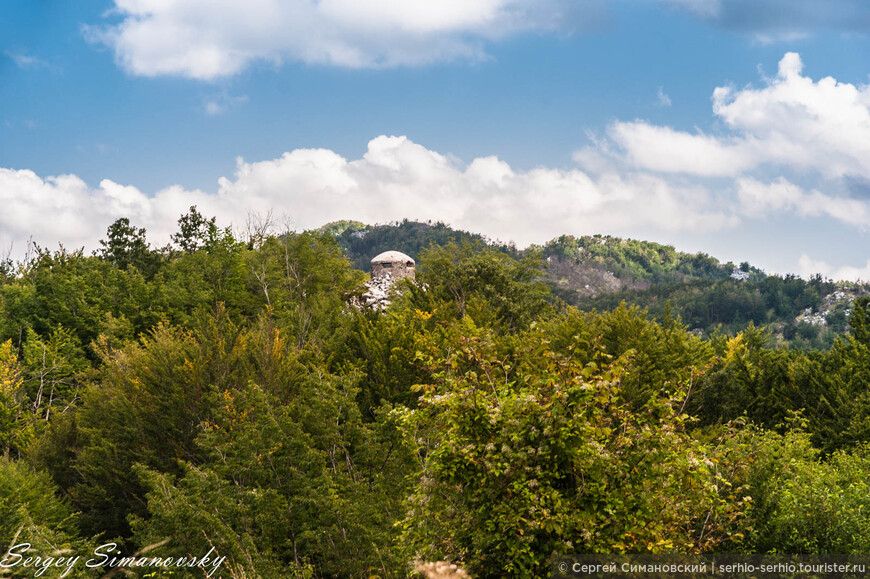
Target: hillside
{"x":361,"y":242}
{"x":599,"y":272}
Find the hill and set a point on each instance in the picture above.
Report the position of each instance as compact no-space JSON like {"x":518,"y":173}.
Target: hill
{"x":361,"y":242}
{"x":599,"y":272}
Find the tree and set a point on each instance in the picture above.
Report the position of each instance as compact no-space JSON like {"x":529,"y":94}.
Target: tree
{"x":292,"y":477}
{"x":30,"y":512}
{"x":803,"y":503}
{"x":52,"y":371}
{"x":86,"y":295}
{"x":145,"y":407}
{"x":305,"y":282}
{"x":125,"y":246}
{"x":535,"y":453}
{"x":14,"y":415}
{"x":482,"y":282}
{"x":194,"y":231}
{"x":212,"y":277}
{"x":858,"y":321}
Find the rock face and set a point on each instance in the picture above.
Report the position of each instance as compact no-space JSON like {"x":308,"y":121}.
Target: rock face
{"x":739,"y":274}
{"x":586,"y":279}
{"x":387,"y":268}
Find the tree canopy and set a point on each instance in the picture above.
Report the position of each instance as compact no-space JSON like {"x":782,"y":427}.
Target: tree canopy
{"x":234,"y":394}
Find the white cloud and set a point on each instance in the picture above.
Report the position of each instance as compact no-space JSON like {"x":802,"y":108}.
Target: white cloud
{"x":222,"y":102}
{"x":663,"y":99}
{"x":395,"y":179}
{"x":757,"y":199}
{"x":64,"y":209}
{"x":808,"y":267}
{"x":792,"y":130}
{"x":793,"y":123}
{"x":206,"y":39}
{"x":58,"y":208}
{"x":25,"y":61}
{"x":666,"y":150}
{"x":212,"y":108}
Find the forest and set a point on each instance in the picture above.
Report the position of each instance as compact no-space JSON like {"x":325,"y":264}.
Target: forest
{"x":227,"y":392}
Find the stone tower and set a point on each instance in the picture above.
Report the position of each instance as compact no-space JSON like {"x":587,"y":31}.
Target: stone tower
{"x":392,"y":264}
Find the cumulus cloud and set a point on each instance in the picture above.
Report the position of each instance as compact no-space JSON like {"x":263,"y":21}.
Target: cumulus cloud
{"x":757,"y":199}
{"x":65,"y":209}
{"x":395,"y":179}
{"x":808,"y":267}
{"x":206,"y":39}
{"x":666,"y":150}
{"x":793,"y":122}
{"x":793,"y":127}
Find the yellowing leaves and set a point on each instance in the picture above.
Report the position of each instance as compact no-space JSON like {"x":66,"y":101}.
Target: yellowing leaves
{"x":422,"y":315}
{"x":735,"y":347}
{"x":10,"y":370}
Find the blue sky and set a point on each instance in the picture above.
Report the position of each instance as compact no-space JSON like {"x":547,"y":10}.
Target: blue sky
{"x":736,"y":127}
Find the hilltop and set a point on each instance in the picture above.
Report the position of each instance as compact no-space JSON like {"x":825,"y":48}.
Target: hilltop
{"x":598,"y":272}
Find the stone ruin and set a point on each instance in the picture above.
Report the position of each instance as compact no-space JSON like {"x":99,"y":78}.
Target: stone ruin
{"x":387,"y":268}
{"x":394,"y":264}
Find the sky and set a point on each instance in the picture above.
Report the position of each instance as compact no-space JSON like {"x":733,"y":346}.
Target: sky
{"x":740,"y":128}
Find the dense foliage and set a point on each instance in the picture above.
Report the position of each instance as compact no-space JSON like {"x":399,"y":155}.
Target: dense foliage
{"x":362,"y":242}
{"x":599,"y":272}
{"x":229,"y":392}
{"x":639,"y":260}
{"x":732,"y":304}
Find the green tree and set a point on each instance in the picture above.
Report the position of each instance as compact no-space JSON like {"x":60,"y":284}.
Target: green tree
{"x":306,"y":282}
{"x":858,"y":321}
{"x":488,"y":285}
{"x":292,"y":478}
{"x":803,"y":503}
{"x":52,"y":371}
{"x":535,"y":453}
{"x":30,"y":512}
{"x":145,"y":408}
{"x":211,"y":277}
{"x":15,"y":417}
{"x":125,"y":246}
{"x":194,"y":231}
{"x":84,"y":295}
